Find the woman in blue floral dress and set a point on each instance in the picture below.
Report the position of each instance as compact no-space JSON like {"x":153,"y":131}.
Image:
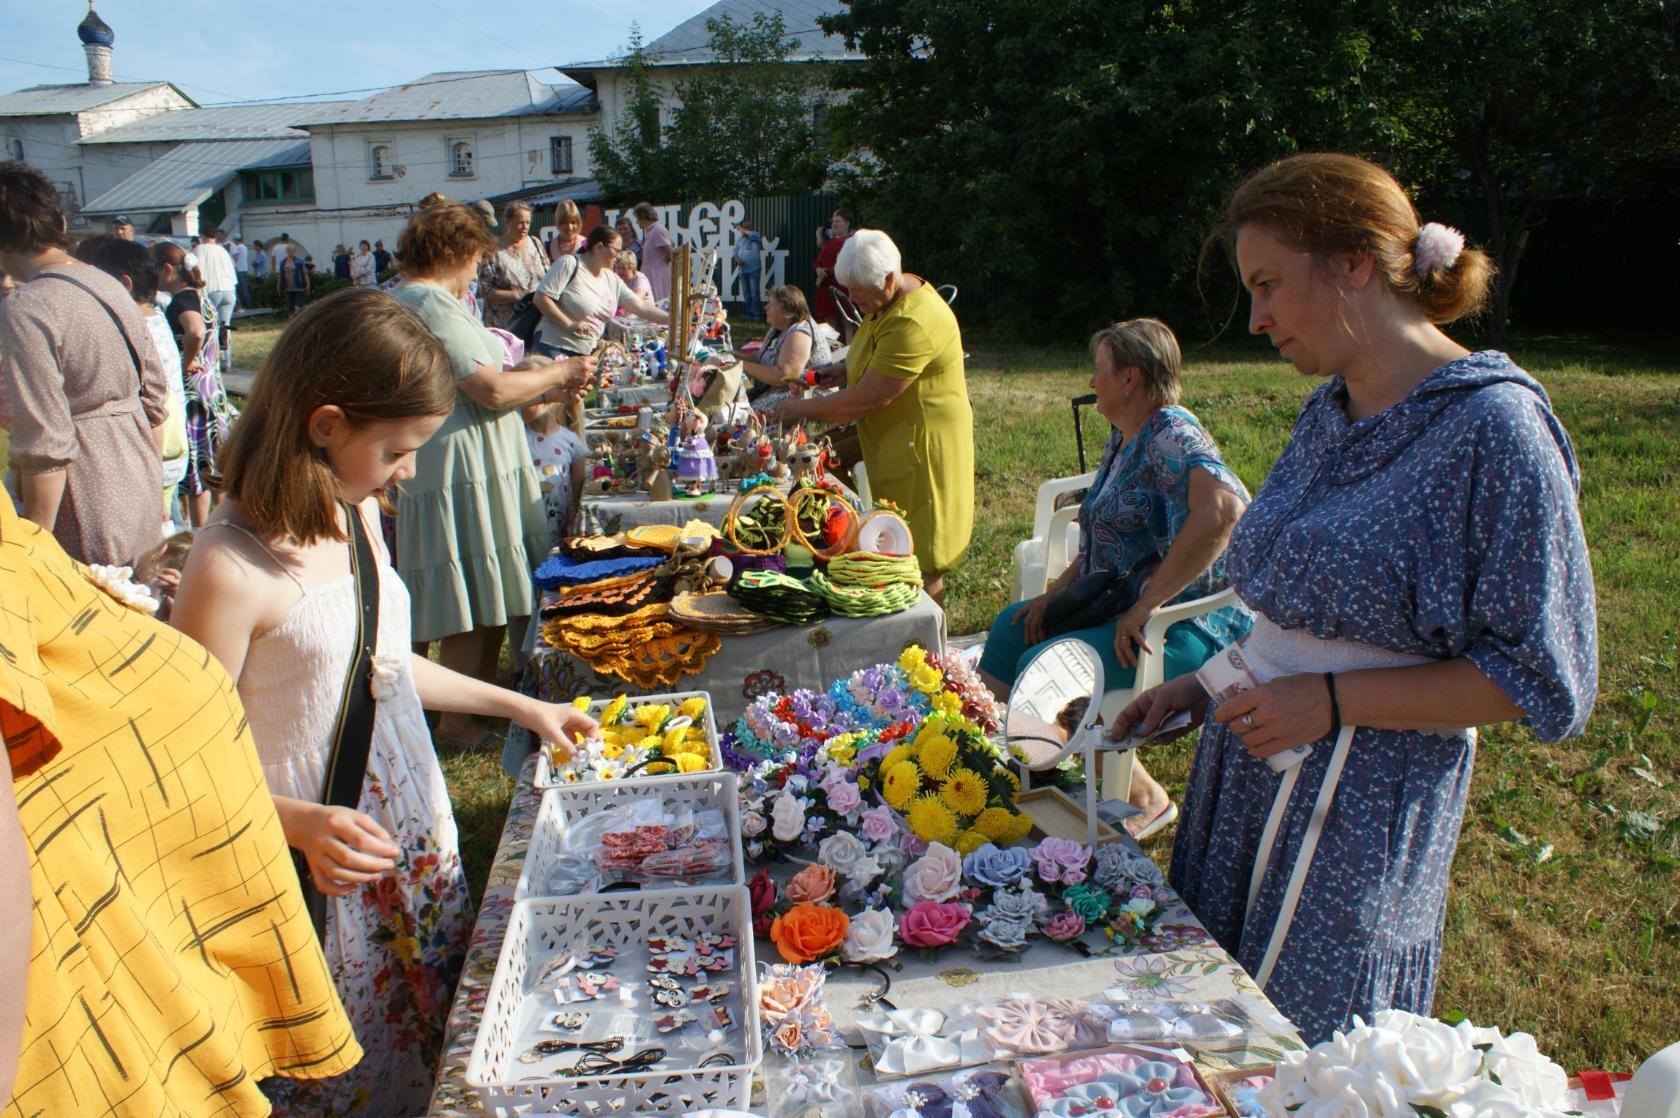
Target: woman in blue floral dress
{"x":1416,"y":566}
{"x":1155,"y":518}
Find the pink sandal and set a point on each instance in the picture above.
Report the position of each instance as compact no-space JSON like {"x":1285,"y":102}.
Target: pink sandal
{"x":1166,"y":818}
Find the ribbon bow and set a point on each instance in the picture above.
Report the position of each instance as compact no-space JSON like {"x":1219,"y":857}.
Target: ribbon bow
{"x":909,"y":1042}
{"x":815,"y":1083}
{"x":1149,"y":1090}
{"x":1034,"y":1027}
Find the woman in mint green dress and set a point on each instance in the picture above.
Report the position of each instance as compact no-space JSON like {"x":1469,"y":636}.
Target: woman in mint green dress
{"x":470,"y":524}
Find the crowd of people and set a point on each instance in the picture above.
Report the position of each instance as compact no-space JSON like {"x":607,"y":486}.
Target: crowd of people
{"x":1413,"y":566}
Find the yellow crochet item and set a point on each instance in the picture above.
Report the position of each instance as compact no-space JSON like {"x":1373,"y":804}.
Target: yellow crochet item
{"x":644,"y":648}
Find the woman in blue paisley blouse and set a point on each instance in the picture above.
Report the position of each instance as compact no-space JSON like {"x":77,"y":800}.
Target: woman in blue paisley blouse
{"x":1155,"y":520}
{"x":1416,"y":567}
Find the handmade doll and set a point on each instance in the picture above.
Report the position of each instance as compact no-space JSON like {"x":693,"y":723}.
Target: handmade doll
{"x":697,"y":470}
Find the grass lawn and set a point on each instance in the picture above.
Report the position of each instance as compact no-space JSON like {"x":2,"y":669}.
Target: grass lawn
{"x":1564,"y":914}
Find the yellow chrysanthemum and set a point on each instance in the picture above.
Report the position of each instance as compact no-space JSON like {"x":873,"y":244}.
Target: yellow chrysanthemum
{"x":895,"y":755}
{"x":995,"y":823}
{"x":947,"y":704}
{"x":936,"y":757}
{"x":692,"y":707}
{"x":581,"y":703}
{"x":652,"y":714}
{"x":621,"y":735}
{"x":964,"y":792}
{"x":927,"y":679}
{"x":932,"y":726}
{"x":901,"y":783}
{"x":1020,"y":826}
{"x":615,"y":710}
{"x":674,"y":741}
{"x":1009,"y":775}
{"x":691,"y":763}
{"x":931,"y":821}
{"x":912,"y":658}
{"x":970,"y":841}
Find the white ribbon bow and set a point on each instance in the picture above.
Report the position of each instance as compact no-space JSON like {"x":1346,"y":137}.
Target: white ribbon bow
{"x":817,"y":1082}
{"x":909,"y":1042}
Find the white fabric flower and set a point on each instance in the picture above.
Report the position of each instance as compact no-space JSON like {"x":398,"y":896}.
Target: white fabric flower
{"x":843,"y":853}
{"x":869,"y":939}
{"x":119,"y":583}
{"x":752,"y":823}
{"x":935,"y":876}
{"x":387,"y":677}
{"x":787,"y":818}
{"x":1522,"y":1067}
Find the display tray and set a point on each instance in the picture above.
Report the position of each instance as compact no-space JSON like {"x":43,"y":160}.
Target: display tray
{"x":546,"y":778}
{"x":697,"y":1072}
{"x":565,"y":806}
{"x":1055,"y":814}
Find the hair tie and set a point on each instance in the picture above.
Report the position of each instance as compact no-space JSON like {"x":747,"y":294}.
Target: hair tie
{"x":1437,"y":249}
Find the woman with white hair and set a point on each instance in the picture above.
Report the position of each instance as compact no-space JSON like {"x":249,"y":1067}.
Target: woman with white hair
{"x":906,"y":390}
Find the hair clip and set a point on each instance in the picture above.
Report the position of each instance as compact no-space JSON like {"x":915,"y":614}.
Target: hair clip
{"x":711,"y":991}
{"x":598,"y":1063}
{"x":722,"y":1018}
{"x":554,"y":1047}
{"x":671,"y":1022}
{"x":1034,"y":1027}
{"x":555,"y":968}
{"x":723,"y":960}
{"x":592,"y":958}
{"x":665,"y":945}
{"x":664,"y":982}
{"x":977,"y":1092}
{"x":671,"y":999}
{"x":928,"y":1100}
{"x":566,"y":1022}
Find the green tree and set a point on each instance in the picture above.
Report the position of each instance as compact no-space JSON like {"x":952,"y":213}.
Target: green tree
{"x":1507,"y":106}
{"x":742,"y":124}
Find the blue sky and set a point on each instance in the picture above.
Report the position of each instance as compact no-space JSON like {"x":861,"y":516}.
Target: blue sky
{"x":235,"y":49}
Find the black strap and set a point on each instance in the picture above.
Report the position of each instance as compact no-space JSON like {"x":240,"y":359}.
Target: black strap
{"x":133,"y":354}
{"x":353,"y":732}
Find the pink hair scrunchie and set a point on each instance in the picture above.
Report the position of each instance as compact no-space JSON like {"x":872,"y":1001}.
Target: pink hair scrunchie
{"x":1437,"y":248}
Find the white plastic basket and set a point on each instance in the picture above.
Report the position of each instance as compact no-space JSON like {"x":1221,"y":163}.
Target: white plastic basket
{"x":541,"y":928}
{"x":564,"y":806}
{"x":545,"y":778}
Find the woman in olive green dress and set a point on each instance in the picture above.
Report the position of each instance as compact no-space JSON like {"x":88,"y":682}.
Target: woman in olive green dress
{"x":470,"y":524}
{"x":905,"y":387}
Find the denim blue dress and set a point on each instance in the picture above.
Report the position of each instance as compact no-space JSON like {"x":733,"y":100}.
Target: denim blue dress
{"x":1444,"y":526}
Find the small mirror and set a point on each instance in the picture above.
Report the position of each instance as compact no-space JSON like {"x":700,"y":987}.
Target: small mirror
{"x":1056,"y":700}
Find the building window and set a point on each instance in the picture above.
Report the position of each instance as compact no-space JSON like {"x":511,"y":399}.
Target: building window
{"x":460,"y":159}
{"x":278,"y":187}
{"x":14,"y":150}
{"x":560,"y":154}
{"x":380,"y":162}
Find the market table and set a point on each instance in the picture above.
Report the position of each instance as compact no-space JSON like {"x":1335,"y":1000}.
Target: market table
{"x":636,"y":395}
{"x":607,"y":514}
{"x":1180,"y":960}
{"x":782,"y":659}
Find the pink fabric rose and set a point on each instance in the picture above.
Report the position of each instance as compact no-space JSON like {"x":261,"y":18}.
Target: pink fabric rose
{"x":1064,"y":926}
{"x":935,"y":876}
{"x":880,"y":824}
{"x":1061,"y":860}
{"x":930,"y":924}
{"x":843,"y":797}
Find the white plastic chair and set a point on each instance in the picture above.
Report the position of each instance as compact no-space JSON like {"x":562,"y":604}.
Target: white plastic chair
{"x":1055,"y":538}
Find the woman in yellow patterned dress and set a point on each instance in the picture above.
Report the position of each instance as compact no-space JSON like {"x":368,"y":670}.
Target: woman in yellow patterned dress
{"x":906,"y":389}
{"x":170,"y":962}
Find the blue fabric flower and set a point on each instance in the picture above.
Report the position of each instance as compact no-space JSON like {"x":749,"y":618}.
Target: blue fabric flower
{"x":993,"y":868}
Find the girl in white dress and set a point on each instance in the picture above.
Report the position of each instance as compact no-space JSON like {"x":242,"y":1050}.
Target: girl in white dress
{"x":353,"y":387}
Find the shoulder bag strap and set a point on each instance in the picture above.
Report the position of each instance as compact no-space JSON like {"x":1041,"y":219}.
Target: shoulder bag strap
{"x":353,"y":730}
{"x":133,"y":354}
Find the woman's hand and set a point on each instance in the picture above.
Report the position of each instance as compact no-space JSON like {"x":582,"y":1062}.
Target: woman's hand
{"x":1289,"y":711}
{"x":788,"y":410}
{"x":1128,"y":632}
{"x":1158,"y":704}
{"x":579,"y":372}
{"x":831,"y":375}
{"x":1031,"y":618}
{"x":345,"y":849}
{"x":560,"y":724}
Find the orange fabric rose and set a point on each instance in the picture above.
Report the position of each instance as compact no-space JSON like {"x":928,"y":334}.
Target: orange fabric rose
{"x":808,"y":932}
{"x":813,"y":885}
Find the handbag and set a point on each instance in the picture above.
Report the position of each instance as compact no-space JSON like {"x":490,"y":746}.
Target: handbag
{"x":1093,"y":598}
{"x":353,"y":729}
{"x":525,"y":318}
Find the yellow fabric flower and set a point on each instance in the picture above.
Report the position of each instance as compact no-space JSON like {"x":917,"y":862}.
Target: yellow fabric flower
{"x":1020,"y":826}
{"x":652,"y":715}
{"x":912,"y":658}
{"x":612,"y":750}
{"x":927,"y":679}
{"x":936,"y":757}
{"x":947,"y":703}
{"x":901,"y":782}
{"x":995,"y":823}
{"x":692,"y":707}
{"x":964,"y":792}
{"x":933,"y":726}
{"x":931,"y":821}
{"x":581,"y":703}
{"x":674,"y":741}
{"x":970,"y":841}
{"x":615,"y":710}
{"x":895,"y":755}
{"x":691,"y":763}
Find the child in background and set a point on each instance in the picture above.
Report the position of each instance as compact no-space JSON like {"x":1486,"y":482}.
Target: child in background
{"x":561,"y":456}
{"x":269,"y":590}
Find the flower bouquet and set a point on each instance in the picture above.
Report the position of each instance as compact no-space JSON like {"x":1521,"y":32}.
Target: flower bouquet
{"x":1403,"y":1065}
{"x":648,"y":738}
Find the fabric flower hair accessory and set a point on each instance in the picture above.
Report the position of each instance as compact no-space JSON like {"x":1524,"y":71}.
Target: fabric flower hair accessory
{"x":808,"y":932}
{"x":1437,"y":249}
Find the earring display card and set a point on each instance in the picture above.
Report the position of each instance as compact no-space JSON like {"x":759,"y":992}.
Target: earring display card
{"x":608,"y":996}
